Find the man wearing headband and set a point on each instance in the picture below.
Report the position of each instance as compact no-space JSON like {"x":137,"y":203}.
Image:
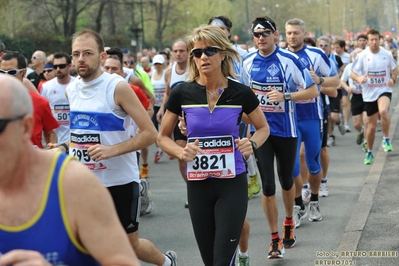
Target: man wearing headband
{"x":274,"y":75}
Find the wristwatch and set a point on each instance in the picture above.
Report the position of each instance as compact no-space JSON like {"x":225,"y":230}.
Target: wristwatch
{"x":65,"y":146}
{"x":287,"y":96}
{"x":321,"y":81}
{"x":254,"y":145}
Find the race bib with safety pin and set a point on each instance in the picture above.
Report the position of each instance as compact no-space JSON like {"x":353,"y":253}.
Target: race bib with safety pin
{"x":61,"y":113}
{"x":78,"y":149}
{"x":261,"y":89}
{"x":217,"y":161}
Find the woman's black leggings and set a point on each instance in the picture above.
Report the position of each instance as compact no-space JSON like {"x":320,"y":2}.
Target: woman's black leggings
{"x":218,"y":208}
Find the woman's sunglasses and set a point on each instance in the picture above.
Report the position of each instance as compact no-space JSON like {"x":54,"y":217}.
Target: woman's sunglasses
{"x":208,"y":51}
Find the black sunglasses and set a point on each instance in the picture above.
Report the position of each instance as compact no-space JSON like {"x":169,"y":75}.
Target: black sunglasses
{"x":324,"y":45}
{"x":47,"y":70}
{"x":12,"y":72}
{"x":129,"y":62}
{"x":265,"y":33}
{"x":61,"y":66}
{"x":4,"y":122}
{"x":208,"y":51}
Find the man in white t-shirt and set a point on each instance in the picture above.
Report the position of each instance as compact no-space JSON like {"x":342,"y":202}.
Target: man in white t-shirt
{"x":376,"y":70}
{"x":54,"y":91}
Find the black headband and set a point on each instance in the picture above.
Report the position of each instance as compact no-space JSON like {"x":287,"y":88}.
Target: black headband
{"x":263,"y":24}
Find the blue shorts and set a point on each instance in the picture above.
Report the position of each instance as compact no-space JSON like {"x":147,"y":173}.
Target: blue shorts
{"x":310,"y":132}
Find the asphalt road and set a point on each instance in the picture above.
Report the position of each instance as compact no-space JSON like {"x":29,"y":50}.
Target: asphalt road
{"x":361,"y":213}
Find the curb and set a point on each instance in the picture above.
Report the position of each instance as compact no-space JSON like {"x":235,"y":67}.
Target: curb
{"x":354,"y":229}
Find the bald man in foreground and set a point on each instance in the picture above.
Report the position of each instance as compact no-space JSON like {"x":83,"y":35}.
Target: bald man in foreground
{"x":47,"y":214}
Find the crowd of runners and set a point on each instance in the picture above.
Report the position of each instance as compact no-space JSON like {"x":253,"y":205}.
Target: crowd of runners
{"x":223,"y":111}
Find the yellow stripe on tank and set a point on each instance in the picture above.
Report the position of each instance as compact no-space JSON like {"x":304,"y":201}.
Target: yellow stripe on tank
{"x":43,"y":204}
{"x":61,"y":193}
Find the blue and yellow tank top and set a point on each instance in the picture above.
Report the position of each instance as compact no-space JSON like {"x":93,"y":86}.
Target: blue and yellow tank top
{"x":48,"y":232}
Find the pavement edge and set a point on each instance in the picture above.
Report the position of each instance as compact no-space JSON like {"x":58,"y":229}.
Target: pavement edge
{"x":354,"y":229}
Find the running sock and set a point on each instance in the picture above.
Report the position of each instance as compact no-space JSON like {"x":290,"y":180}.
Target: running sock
{"x":289,"y":220}
{"x":369,"y":151}
{"x":306,"y":185}
{"x":251,"y":166}
{"x":324,"y":180}
{"x":275,"y":236}
{"x":144,"y":164}
{"x":243,"y":254}
{"x":167,"y":262}
{"x":385,"y":138}
{"x":299,"y":201}
{"x":159,"y":149}
{"x":314,"y":197}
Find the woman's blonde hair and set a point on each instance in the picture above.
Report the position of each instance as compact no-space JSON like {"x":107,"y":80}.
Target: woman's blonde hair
{"x":214,"y":36}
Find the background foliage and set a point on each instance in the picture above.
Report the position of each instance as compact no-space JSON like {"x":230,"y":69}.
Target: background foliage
{"x":49,"y":24}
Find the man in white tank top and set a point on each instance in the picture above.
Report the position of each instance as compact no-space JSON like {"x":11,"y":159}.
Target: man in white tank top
{"x":175,"y":75}
{"x":101,"y":108}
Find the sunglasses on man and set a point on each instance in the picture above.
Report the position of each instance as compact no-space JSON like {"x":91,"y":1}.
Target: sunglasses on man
{"x":208,"y":51}
{"x":47,"y":70}
{"x":129,"y":62}
{"x":60,"y":66}
{"x":265,"y":33}
{"x":12,"y":72}
{"x":4,"y":121}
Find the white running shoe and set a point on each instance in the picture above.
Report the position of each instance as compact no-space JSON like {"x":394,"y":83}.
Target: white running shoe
{"x":314,"y":212}
{"x":305,"y":195}
{"x":297,"y":216}
{"x":147,"y":205}
{"x":323,"y":191}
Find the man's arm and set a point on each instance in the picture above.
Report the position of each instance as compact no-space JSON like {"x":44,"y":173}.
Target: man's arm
{"x":28,"y":84}
{"x":358,"y":78}
{"x":92,"y":215}
{"x":50,"y":136}
{"x":127,"y":99}
{"x":139,"y":83}
{"x":333,"y":81}
{"x":394,"y":74}
{"x":329,"y":91}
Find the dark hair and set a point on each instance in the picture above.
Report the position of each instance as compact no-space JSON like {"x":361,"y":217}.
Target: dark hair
{"x":115,"y":51}
{"x":17,"y":55}
{"x":362,"y":36}
{"x":309,"y":41}
{"x":116,"y":57}
{"x":373,"y":32}
{"x":97,"y":38}
{"x":341,"y":43}
{"x":225,"y":20}
{"x":266,"y":21}
{"x":130,"y":55}
{"x":59,"y":55}
{"x":165,"y":53}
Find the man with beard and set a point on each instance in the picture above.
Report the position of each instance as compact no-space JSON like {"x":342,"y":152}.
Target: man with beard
{"x":54,"y":92}
{"x":101,"y":108}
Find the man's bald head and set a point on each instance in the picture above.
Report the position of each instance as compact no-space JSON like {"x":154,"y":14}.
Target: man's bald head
{"x":15,"y":97}
{"x":38,"y":58}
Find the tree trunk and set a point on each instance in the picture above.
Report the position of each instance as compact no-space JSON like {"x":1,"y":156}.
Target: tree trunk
{"x":100,"y":15}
